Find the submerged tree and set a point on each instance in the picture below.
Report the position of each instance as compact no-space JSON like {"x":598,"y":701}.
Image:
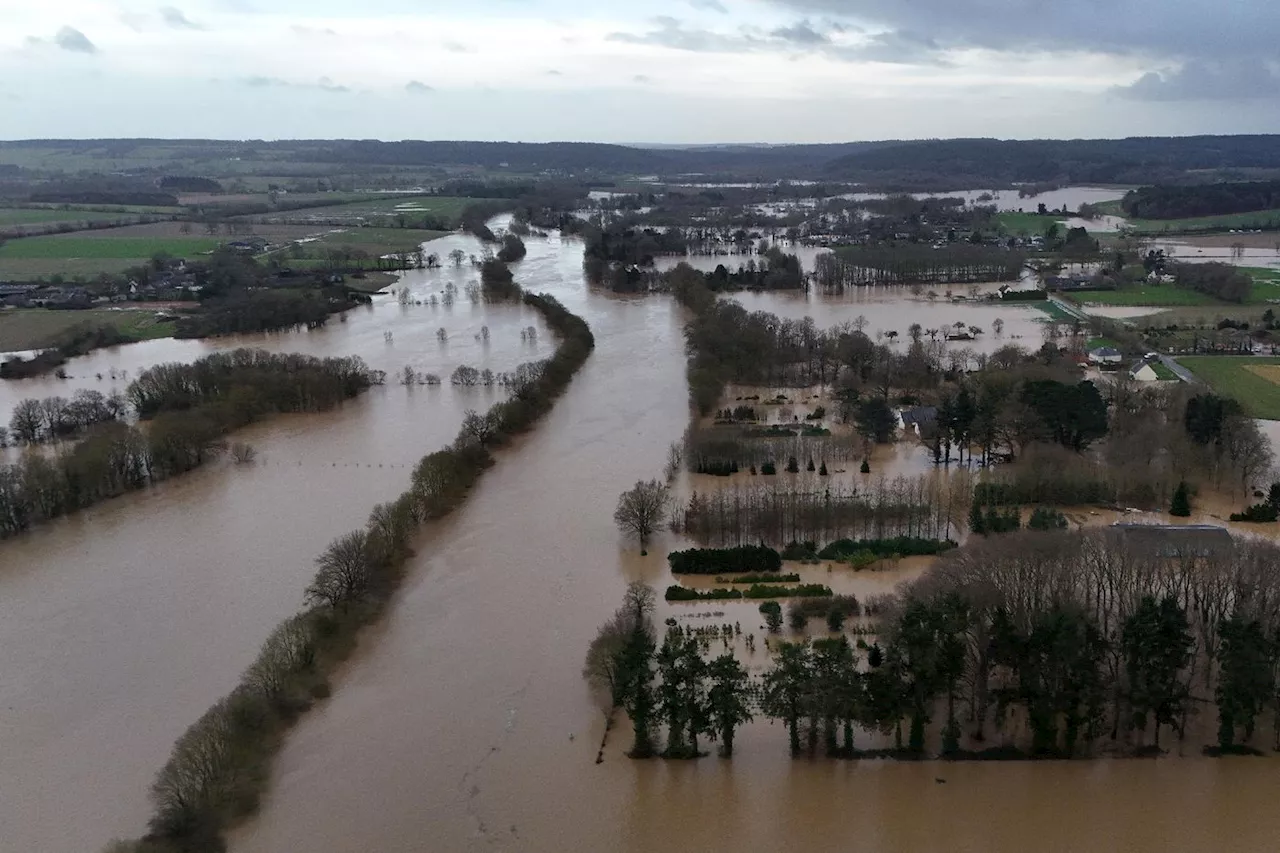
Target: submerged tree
{"x":1157,"y":647}
{"x":727,"y":699}
{"x":786,"y":689}
{"x":641,"y":509}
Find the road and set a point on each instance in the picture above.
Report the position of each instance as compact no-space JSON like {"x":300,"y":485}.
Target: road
{"x":1183,"y":374}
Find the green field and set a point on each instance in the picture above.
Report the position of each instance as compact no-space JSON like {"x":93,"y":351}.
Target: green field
{"x":375,"y":241}
{"x":33,"y":328}
{"x":1154,"y":296}
{"x":1258,"y":219}
{"x":1026,"y":224}
{"x":57,"y":246}
{"x":1227,"y":375}
{"x":42,"y":216}
{"x":380,"y":208}
{"x":1163,"y":373}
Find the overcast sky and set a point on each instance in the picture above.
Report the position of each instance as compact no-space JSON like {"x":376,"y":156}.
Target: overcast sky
{"x":657,"y":71}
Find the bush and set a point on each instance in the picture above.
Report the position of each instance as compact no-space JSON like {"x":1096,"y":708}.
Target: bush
{"x":800,"y":551}
{"x":902,"y":546}
{"x":715,"y":561}
{"x":1046,"y":518}
{"x":768,"y":468}
{"x":1180,"y":506}
{"x":1260,"y":513}
{"x":761,"y":578}
{"x":772,"y":613}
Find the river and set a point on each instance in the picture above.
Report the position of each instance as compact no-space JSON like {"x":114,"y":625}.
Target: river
{"x":462,"y":721}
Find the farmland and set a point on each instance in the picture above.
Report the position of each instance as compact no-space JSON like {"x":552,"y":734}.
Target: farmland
{"x":1238,"y":378}
{"x":1155,"y":296}
{"x":377,"y":210}
{"x":33,"y":328}
{"x":10,"y":216}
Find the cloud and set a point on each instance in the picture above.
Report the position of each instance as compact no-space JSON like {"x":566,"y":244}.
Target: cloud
{"x":709,"y":6}
{"x":324,"y":84}
{"x":1181,"y":29}
{"x":897,"y":47}
{"x":800,"y":33}
{"x":457,"y":46}
{"x":842,"y":43}
{"x":1246,"y":79}
{"x":417,"y":87}
{"x":306,"y":31}
{"x":69,"y":38}
{"x":641,"y":79}
{"x":174,"y":19}
{"x":553,"y":72}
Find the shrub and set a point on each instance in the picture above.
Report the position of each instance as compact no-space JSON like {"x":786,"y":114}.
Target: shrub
{"x":1261,"y":513}
{"x":1046,"y":518}
{"x":800,"y":551}
{"x":1181,"y":504}
{"x":768,"y":468}
{"x":903,"y":546}
{"x":714,"y":561}
{"x":772,"y":613}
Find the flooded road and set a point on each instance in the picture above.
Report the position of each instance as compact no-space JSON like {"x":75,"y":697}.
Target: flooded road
{"x":462,"y":721}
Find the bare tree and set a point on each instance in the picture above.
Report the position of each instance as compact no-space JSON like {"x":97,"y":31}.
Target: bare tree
{"x":482,"y":428}
{"x":641,"y":509}
{"x":344,"y":571}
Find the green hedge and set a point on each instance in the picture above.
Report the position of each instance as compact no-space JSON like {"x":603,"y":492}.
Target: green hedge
{"x":718,"y":561}
{"x":675,"y":592}
{"x":899,"y":546}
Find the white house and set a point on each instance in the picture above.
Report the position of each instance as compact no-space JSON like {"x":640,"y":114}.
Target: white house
{"x":1143,"y":372}
{"x":1105,"y":355}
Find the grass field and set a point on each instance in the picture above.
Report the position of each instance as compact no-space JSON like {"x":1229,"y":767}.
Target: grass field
{"x":1026,"y":224}
{"x":1163,"y":373}
{"x":375,"y":241}
{"x":1154,"y":296}
{"x":1263,"y":219}
{"x":379,"y":209}
{"x":33,"y":328}
{"x":104,"y":246}
{"x":1238,"y":378}
{"x":42,"y":216}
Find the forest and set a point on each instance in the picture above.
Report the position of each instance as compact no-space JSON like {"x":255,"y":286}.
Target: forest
{"x":1216,"y":199}
{"x":910,"y":263}
{"x":1036,"y":645}
{"x":188,"y":408}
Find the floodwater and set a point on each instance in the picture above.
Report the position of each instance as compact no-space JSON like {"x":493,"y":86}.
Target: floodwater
{"x":462,"y":722}
{"x":121,"y":624}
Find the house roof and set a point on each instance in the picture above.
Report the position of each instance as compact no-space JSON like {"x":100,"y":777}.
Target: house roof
{"x":919,"y":415}
{"x":1177,"y":540}
{"x":1105,"y":352}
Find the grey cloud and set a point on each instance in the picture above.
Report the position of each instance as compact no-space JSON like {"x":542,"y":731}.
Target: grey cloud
{"x":898,"y":47}
{"x":324,"y":84}
{"x":1245,"y":79}
{"x":709,"y":6}
{"x":304,"y":30}
{"x":799,"y":38}
{"x":174,"y":19}
{"x":457,"y":47}
{"x":801,"y":33}
{"x":641,"y":78}
{"x":553,"y":72}
{"x":1167,"y":28}
{"x":69,"y":38}
{"x":417,"y":87}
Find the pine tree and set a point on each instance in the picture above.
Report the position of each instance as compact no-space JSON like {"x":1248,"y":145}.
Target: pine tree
{"x":866,"y":467}
{"x":977,"y":521}
{"x":822,"y":471}
{"x":1181,"y":504}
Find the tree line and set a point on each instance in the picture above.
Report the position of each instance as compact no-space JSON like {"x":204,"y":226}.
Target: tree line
{"x":912,"y":263}
{"x":216,"y":773}
{"x":189,"y":410}
{"x":1214,"y":199}
{"x":1051,"y":645}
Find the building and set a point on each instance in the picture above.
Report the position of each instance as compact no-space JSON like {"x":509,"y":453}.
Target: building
{"x":1177,"y":540}
{"x":914,"y":418}
{"x":1105,"y":355}
{"x":1142,"y":371}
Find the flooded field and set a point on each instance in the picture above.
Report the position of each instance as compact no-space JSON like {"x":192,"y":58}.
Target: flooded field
{"x":462,"y":721}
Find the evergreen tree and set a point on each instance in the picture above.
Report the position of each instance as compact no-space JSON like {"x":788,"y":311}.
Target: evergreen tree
{"x":977,"y":521}
{"x":1245,"y":679}
{"x":726,"y":700}
{"x":786,"y":689}
{"x":1181,"y":504}
{"x":1157,"y":646}
{"x":866,"y":467}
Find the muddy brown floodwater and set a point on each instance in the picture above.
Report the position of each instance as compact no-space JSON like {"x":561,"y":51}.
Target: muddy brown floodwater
{"x":463,"y":723}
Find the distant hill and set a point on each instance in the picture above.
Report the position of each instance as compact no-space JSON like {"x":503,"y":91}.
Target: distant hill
{"x":975,"y":162}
